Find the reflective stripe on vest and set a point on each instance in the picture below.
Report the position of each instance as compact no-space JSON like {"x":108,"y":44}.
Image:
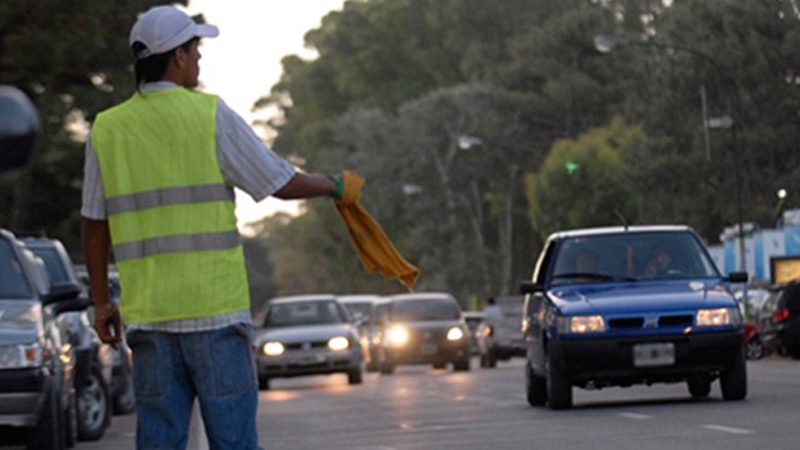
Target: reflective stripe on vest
{"x":168,"y":196}
{"x":180,"y":243}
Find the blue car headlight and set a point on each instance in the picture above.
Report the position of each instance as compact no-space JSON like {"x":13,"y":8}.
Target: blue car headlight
{"x":581,"y":324}
{"x":716,"y":317}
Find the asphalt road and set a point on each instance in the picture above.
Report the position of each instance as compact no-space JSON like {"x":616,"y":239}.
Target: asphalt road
{"x":422,"y":408}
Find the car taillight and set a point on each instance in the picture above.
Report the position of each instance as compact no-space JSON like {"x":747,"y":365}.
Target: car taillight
{"x":780,"y":315}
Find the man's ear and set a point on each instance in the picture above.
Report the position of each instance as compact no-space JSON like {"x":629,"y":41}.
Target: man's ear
{"x":179,"y":57}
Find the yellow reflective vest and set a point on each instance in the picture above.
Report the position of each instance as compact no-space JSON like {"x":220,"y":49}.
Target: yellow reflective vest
{"x":171,"y":216}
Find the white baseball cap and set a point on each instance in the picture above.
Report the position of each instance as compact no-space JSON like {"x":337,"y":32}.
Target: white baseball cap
{"x":164,"y":28}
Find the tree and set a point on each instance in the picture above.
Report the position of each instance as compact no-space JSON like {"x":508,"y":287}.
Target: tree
{"x":587,"y":181}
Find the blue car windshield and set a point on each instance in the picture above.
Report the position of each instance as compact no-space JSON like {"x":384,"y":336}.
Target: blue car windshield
{"x":631,"y":256}
{"x":304,"y":313}
{"x":12,"y":280}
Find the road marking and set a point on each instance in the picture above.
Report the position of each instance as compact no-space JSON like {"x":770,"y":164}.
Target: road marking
{"x":635,"y":416}
{"x":727,"y":429}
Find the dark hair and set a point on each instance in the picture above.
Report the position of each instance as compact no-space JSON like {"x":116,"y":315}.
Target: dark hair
{"x":153,"y":67}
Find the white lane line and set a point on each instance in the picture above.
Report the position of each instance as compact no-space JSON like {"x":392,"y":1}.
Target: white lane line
{"x":635,"y":416}
{"x":725,"y":429}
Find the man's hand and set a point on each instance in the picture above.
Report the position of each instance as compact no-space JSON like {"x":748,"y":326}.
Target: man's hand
{"x":107,"y":323}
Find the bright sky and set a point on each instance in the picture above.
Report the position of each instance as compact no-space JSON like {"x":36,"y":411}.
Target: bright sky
{"x":244,"y":62}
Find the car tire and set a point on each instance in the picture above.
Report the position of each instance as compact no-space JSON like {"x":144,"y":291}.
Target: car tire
{"x":559,"y":389}
{"x":491,"y":359}
{"x":71,"y":421}
{"x":755,"y":349}
{"x":94,"y":407}
{"x":354,"y":376}
{"x":733,"y":381}
{"x":439,"y":365}
{"x":461,"y":365}
{"x":263,"y":383}
{"x":387,"y":368}
{"x":699,"y":386}
{"x":125,"y":402}
{"x":535,"y":387}
{"x":49,"y":434}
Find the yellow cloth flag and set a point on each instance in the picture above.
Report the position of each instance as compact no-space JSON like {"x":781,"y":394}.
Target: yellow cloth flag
{"x":373,"y":247}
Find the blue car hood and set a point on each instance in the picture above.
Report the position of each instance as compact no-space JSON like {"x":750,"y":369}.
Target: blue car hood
{"x":640,"y":296}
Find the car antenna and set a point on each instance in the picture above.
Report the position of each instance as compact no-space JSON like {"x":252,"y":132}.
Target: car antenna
{"x":622,"y":218}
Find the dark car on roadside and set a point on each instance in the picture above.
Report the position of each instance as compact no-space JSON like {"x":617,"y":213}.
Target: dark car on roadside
{"x":779,"y":319}
{"x":606,"y":307}
{"x":123,"y":400}
{"x":37,"y":363}
{"x":94,"y":361}
{"x":423,"y":328}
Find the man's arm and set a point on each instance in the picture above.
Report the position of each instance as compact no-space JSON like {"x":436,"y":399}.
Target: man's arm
{"x":303,"y":185}
{"x":96,"y":246}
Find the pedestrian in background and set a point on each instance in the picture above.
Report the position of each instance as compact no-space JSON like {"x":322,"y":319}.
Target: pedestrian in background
{"x":158,"y":189}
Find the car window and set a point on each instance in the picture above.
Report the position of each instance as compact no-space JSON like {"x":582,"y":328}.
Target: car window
{"x":427,"y":309}
{"x":359,"y":310}
{"x":12,"y":280}
{"x":303,"y":313}
{"x":53,"y":264}
{"x":631,"y":257}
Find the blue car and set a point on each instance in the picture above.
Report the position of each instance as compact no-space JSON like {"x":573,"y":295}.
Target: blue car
{"x":630,"y":305}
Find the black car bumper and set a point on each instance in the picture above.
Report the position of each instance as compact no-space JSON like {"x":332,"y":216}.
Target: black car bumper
{"x":428,"y":352}
{"x":22,"y":394}
{"x":610,"y":361}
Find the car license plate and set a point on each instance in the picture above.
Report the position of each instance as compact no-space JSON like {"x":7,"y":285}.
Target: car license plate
{"x":653,"y":355}
{"x":309,"y":360}
{"x":429,"y":349}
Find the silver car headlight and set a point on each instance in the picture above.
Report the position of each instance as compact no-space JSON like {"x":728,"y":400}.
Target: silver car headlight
{"x":20,"y":356}
{"x":717,"y":317}
{"x":272,"y":348}
{"x":338,"y":343}
{"x":581,"y":324}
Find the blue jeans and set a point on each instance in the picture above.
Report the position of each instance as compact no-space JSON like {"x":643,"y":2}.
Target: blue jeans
{"x":171,"y":369}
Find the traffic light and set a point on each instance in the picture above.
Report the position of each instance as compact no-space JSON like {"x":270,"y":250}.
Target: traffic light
{"x":571,"y":167}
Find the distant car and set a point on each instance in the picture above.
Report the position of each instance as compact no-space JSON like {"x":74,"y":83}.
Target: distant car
{"x":307,"y":335}
{"x":360,"y":309}
{"x":37,"y":364}
{"x":779,"y":318}
{"x":474,"y":319}
{"x":423,"y":328}
{"x":500,"y":338}
{"x":94,"y":365}
{"x":605,"y":307}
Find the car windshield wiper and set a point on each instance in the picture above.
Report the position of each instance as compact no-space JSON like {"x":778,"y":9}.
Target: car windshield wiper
{"x":594,"y":276}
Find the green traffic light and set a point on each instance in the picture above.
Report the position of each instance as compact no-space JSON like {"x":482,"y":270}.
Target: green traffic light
{"x":782,"y":193}
{"x":571,"y":167}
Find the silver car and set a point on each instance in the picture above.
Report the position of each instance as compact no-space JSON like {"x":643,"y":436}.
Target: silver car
{"x":307,"y":335}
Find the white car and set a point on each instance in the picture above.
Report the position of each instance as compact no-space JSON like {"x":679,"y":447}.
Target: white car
{"x":307,"y":335}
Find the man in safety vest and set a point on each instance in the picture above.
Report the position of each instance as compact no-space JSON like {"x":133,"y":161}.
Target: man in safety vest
{"x":158,"y":189}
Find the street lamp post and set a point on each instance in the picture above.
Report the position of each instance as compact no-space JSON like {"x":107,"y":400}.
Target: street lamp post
{"x":606,"y":43}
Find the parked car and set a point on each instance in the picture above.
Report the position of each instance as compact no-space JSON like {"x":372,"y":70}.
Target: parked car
{"x":94,"y":359}
{"x":754,"y":347}
{"x":500,"y":338}
{"x":123,"y":400}
{"x":37,"y":366}
{"x":360,"y":307}
{"x":423,"y":328}
{"x":474,"y":319}
{"x":620,"y":306}
{"x":307,"y":335}
{"x":779,"y":318}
